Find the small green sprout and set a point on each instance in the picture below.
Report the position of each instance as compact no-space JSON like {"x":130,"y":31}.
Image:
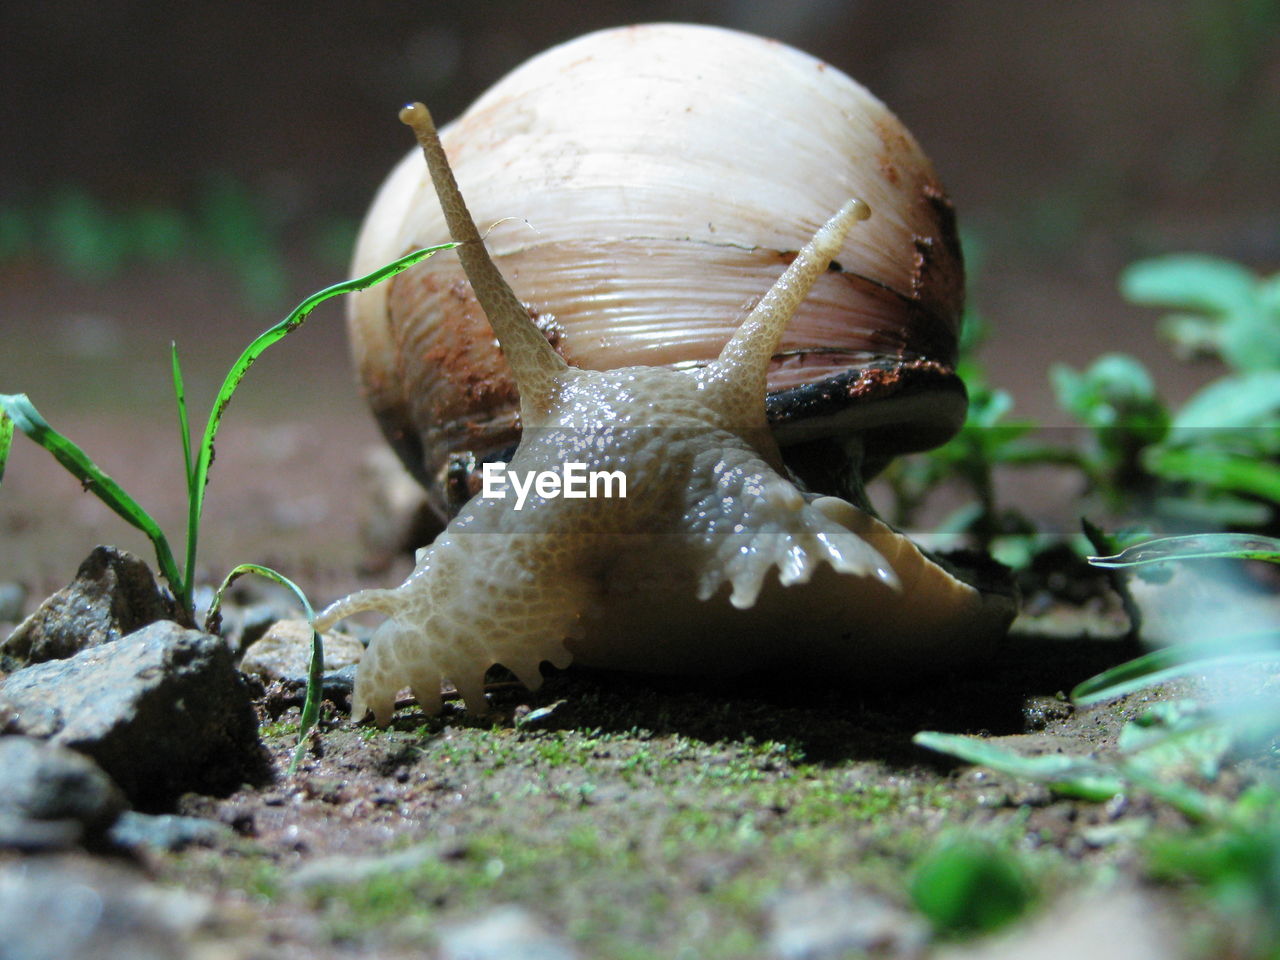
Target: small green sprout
{"x":1213,"y":462}
{"x":315,"y":668}
{"x":17,"y":410}
{"x":1156,"y":751}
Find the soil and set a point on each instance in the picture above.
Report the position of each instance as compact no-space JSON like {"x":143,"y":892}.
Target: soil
{"x":642,"y":817}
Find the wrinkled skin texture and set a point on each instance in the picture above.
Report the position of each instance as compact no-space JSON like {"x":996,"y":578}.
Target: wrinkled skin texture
{"x":708,"y":516}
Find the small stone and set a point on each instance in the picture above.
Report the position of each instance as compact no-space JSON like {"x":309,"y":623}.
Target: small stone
{"x":1039,"y":713}
{"x":257,"y":619}
{"x":168,"y":832}
{"x":113,"y":594}
{"x":504,"y":933}
{"x":284,"y":652}
{"x":1122,"y":924}
{"x":52,"y":797}
{"x":835,"y":921}
{"x":39,"y":836}
{"x":340,"y":870}
{"x":74,"y":909}
{"x":163,"y":711}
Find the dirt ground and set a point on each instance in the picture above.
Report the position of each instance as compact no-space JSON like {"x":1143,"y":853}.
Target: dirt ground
{"x":637,"y":817}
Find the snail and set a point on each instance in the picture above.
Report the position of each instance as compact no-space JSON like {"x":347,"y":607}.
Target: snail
{"x":644,"y":185}
{"x":710,"y":559}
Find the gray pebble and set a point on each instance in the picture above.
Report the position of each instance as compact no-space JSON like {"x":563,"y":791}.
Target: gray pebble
{"x":163,"y":711}
{"x":168,"y":832}
{"x":52,"y":797}
{"x":69,"y":909}
{"x":504,"y":933}
{"x":113,"y":594}
{"x":834,"y":921}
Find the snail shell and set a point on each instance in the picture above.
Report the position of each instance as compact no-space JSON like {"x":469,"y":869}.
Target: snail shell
{"x":710,"y":561}
{"x":662,"y":177}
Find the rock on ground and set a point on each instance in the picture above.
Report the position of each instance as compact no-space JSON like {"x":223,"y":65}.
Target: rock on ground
{"x":163,"y":711}
{"x":112,"y":595}
{"x":1121,"y":924}
{"x":52,"y":797}
{"x":284,"y":652}
{"x":504,"y":933}
{"x":832,"y":922}
{"x":167,"y":832}
{"x":78,"y":909}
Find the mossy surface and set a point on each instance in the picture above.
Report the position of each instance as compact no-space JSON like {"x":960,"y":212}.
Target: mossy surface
{"x":644,"y":818}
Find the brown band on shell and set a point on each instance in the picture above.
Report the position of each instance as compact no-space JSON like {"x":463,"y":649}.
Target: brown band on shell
{"x":877,"y":396}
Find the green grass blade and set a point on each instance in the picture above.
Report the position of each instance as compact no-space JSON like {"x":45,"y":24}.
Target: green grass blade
{"x":1160,"y":666}
{"x":1073,"y":776}
{"x":184,"y":424}
{"x":25,"y":417}
{"x":1206,"y":546}
{"x":6,"y":439}
{"x":315,"y":669}
{"x":200,"y":475}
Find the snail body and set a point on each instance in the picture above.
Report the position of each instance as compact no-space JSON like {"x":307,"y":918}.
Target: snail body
{"x":641,"y":187}
{"x":713,"y":562}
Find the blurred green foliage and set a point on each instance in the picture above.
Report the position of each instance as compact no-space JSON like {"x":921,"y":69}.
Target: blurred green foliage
{"x":968,"y":886}
{"x":1232,"y":38}
{"x":1213,"y":463}
{"x":226,"y":226}
{"x":1237,"y":863}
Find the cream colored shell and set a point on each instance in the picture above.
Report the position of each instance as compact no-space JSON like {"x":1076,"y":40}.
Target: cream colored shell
{"x":714,"y":562}
{"x":640,"y":188}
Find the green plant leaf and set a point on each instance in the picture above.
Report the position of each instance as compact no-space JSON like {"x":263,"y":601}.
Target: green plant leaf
{"x":1244,"y":400}
{"x":1074,"y":776}
{"x":1189,"y":281}
{"x":1169,"y":663}
{"x":1202,"y":546}
{"x":315,"y":668}
{"x":6,"y":439}
{"x":1193,"y":336}
{"x":295,"y":319}
{"x":1222,"y":470}
{"x":1268,"y":293}
{"x":1237,"y":861}
{"x":23,"y":414}
{"x":1116,"y":391}
{"x":965,"y":887}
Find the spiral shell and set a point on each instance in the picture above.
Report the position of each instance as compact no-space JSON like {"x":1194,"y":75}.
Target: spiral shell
{"x":641,"y":187}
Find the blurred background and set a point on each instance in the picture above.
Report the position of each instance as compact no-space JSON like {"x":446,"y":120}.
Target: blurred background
{"x":190,"y":172}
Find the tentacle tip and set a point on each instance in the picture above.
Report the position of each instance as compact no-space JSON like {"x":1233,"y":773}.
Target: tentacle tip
{"x":413,"y":114}
{"x":860,"y":209}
